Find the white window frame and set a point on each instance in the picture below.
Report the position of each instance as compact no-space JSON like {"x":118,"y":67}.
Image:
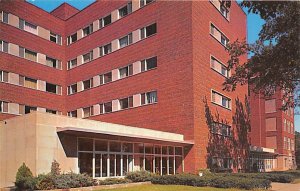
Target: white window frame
{"x":223,"y":96}
{"x":222,"y":65}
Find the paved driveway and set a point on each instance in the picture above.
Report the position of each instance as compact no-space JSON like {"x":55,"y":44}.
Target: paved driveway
{"x":285,"y":187}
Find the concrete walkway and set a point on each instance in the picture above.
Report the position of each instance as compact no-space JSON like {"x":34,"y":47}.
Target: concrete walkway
{"x":285,"y":187}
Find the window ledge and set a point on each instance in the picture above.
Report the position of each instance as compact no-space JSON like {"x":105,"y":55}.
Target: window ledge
{"x":221,"y":106}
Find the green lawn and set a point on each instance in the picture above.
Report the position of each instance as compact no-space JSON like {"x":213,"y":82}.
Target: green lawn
{"x":170,"y":188}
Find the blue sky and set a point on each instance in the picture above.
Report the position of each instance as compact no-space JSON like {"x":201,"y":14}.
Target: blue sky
{"x":254,"y":24}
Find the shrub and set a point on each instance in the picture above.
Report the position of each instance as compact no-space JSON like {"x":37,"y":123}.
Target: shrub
{"x":55,"y":169}
{"x":110,"y":181}
{"x":140,"y":176}
{"x":45,"y":182}
{"x":213,"y":180}
{"x":272,"y":176}
{"x":25,"y":179}
{"x":73,"y":180}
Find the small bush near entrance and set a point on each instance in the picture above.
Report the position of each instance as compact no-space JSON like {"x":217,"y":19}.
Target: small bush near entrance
{"x":25,"y":179}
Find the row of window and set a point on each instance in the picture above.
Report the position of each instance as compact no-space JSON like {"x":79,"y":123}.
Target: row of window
{"x":29,"y":82}
{"x":221,"y":7}
{"x":288,"y":126}
{"x":221,"y":129}
{"x":106,"y":49}
{"x":29,"y":54}
{"x":220,"y":99}
{"x":289,"y":144}
{"x":107,"y":77}
{"x":116,"y":105}
{"x":29,"y":27}
{"x":14,"y":108}
{"x":104,"y":21}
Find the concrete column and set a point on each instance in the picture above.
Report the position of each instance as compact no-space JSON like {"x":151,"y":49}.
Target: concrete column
{"x":136,"y":67}
{"x":13,"y":78}
{"x":13,"y":49}
{"x":13,"y":108}
{"x":79,"y":60}
{"x":115,"y":105}
{"x":96,"y":53}
{"x":79,"y":113}
{"x":44,"y":33}
{"x":135,"y":5}
{"x":114,"y":15}
{"x":13,"y":20}
{"x":96,"y":109}
{"x":115,"y":45}
{"x":79,"y":34}
{"x":96,"y":25}
{"x":79,"y":86}
{"x":96,"y":81}
{"x":136,"y":36}
{"x":41,"y":85}
{"x":136,"y":100}
{"x":41,"y":109}
{"x":115,"y":74}
{"x":41,"y":58}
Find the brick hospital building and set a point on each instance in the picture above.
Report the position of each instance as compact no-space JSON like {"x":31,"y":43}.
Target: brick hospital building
{"x":122,"y":86}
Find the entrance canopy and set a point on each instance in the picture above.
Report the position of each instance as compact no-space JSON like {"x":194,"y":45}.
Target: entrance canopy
{"x":124,"y":133}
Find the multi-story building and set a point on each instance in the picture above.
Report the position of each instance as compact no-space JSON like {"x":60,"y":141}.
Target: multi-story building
{"x":155,"y":68}
{"x":272,"y":130}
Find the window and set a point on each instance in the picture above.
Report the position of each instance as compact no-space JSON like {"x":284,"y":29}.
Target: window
{"x":126,"y":71}
{"x":221,"y":100}
{"x":28,"y":26}
{"x":87,"y":30}
{"x":3,"y":107}
{"x":106,"y":49}
{"x":149,"y":97}
{"x":87,"y":112}
{"x":222,"y":162}
{"x":148,"y":31}
{"x":149,"y":64}
{"x":106,"y":107}
{"x":217,"y":34}
{"x":105,"y":21}
{"x":53,"y":63}
{"x":219,"y":67}
{"x":105,"y":78}
{"x":5,"y":17}
{"x":125,"y":10}
{"x":30,"y":83}
{"x":51,"y":111}
{"x":72,"y":89}
{"x":3,"y":46}
{"x":126,"y":102}
{"x":72,"y":63}
{"x":72,"y":38}
{"x":87,"y":57}
{"x":30,"y":55}
{"x":55,"y":38}
{"x":87,"y":84}
{"x":221,"y":129}
{"x":53,"y":88}
{"x":3,"y":76}
{"x":72,"y":113}
{"x":125,"y":41}
{"x":145,"y":2}
{"x":29,"y":109}
{"x":224,"y":11}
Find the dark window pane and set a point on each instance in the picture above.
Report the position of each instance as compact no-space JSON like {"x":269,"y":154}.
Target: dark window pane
{"x":101,"y":145}
{"x":51,"y":88}
{"x":85,"y":144}
{"x":85,"y":161}
{"x":150,"y":30}
{"x":114,"y":146}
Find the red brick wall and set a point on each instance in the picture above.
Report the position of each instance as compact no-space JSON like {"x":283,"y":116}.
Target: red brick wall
{"x":182,"y":79}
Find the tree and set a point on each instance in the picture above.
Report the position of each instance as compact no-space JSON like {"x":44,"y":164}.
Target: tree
{"x":297,"y":149}
{"x":275,"y":60}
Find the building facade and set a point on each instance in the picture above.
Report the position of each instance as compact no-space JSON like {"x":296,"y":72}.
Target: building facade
{"x":155,"y":65}
{"x":272,"y":128}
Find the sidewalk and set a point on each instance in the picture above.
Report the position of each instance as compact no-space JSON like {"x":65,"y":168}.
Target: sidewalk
{"x":285,"y":187}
